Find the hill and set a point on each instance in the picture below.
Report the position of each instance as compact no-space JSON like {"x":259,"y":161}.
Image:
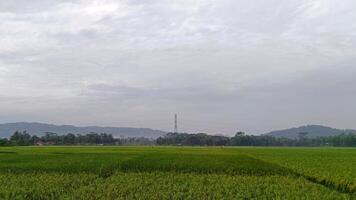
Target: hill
{"x":40,"y":129}
{"x":312,"y":130}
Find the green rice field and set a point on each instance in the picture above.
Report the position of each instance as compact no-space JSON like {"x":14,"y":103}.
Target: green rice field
{"x":177,"y":173}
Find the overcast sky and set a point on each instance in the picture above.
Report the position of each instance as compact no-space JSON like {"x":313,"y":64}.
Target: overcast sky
{"x":222,"y":65}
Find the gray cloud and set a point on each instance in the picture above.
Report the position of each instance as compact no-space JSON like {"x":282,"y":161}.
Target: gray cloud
{"x":222,"y":65}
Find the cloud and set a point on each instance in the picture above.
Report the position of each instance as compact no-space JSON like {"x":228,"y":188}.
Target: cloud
{"x":222,"y":65}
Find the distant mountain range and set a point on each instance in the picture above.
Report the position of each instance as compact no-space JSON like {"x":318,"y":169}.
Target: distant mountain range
{"x":39,"y":129}
{"x":312,"y":130}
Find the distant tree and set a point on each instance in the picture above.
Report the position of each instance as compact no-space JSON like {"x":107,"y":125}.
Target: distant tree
{"x":200,"y":139}
{"x":107,"y":139}
{"x":35,"y":139}
{"x":69,"y":139}
{"x":302,"y":135}
{"x":21,"y":138}
{"x":4,"y":142}
{"x":50,"y":137}
{"x":240,"y":133}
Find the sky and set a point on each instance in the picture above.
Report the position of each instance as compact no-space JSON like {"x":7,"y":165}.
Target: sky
{"x":221,"y":65}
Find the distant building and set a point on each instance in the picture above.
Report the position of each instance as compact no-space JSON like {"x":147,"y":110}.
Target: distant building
{"x":41,"y":143}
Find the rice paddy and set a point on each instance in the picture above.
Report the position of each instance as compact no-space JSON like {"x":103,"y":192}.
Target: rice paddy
{"x":177,"y":173}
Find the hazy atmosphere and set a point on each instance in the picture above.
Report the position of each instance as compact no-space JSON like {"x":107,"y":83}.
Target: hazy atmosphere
{"x":222,"y":65}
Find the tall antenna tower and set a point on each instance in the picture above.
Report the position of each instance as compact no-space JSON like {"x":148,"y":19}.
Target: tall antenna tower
{"x":175,"y":123}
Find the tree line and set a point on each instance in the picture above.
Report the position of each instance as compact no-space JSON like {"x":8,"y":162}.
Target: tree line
{"x":241,"y":139}
{"x":177,"y":139}
{"x":25,"y":139}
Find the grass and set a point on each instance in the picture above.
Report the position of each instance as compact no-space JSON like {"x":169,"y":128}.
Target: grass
{"x":177,"y":173}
